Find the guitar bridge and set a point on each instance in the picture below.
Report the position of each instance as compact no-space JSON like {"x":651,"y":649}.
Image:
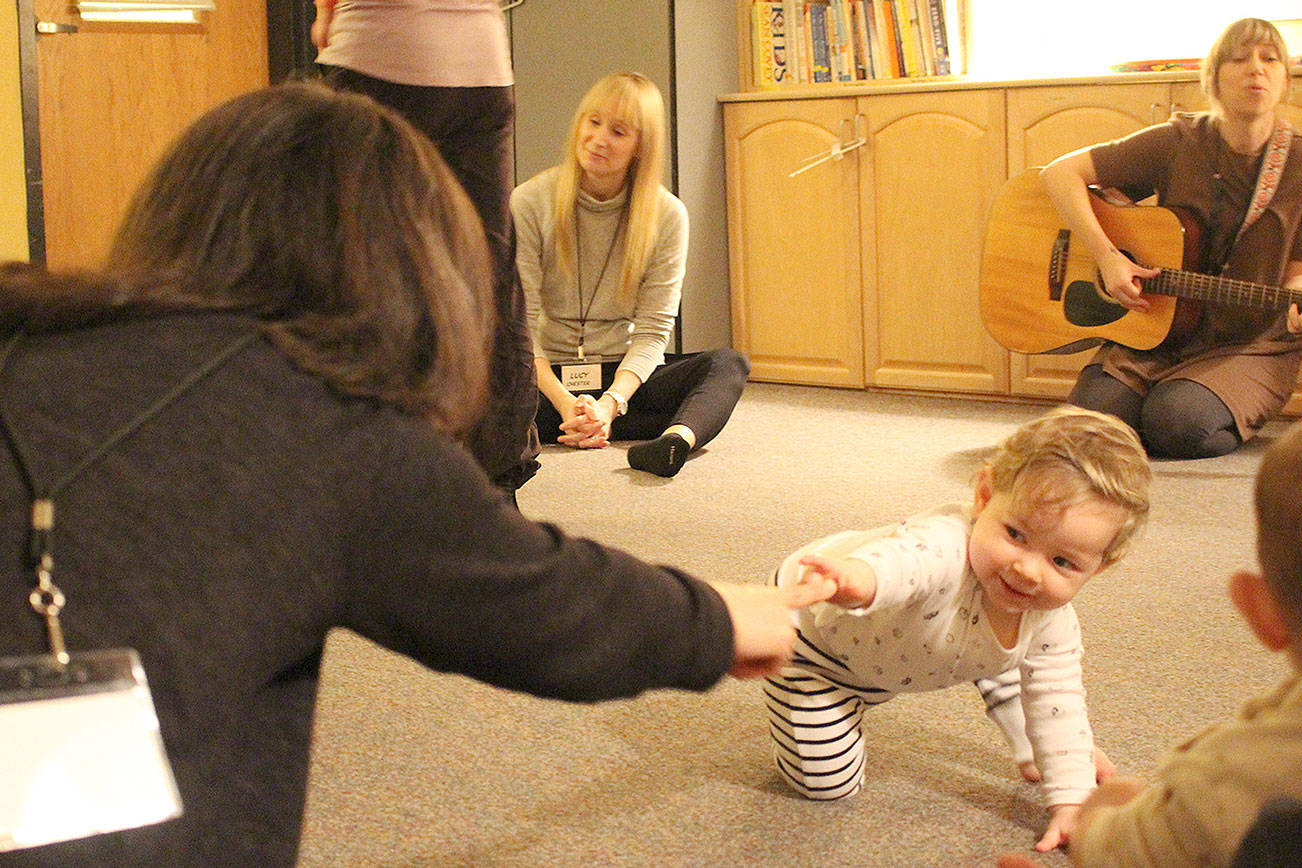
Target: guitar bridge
{"x":1058,"y":264}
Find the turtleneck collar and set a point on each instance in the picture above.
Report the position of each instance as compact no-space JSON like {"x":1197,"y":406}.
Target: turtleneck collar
{"x":614,"y":203}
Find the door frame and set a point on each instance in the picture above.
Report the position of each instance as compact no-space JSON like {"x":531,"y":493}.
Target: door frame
{"x":31,"y":120}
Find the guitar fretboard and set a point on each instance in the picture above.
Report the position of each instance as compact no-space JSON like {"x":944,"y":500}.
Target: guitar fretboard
{"x":1208,"y":287}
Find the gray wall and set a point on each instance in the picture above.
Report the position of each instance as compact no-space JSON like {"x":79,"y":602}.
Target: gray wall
{"x":688,"y":48}
{"x":705,"y":46}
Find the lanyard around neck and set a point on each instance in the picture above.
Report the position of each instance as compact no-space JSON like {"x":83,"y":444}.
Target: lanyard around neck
{"x":578,"y":269}
{"x":46,"y":598}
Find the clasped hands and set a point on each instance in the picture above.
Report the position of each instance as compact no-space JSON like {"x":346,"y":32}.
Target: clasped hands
{"x":587,"y":425}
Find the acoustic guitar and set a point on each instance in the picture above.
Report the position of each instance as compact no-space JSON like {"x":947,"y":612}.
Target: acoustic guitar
{"x":1042,"y":294}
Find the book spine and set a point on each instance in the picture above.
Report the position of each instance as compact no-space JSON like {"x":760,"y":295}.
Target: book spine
{"x":762,"y":45}
{"x":940,"y":39}
{"x":877,"y":65}
{"x":862,"y":40}
{"x":922,"y":26}
{"x":908,"y":38}
{"x":805,"y":45}
{"x":882,"y":11}
{"x":845,"y":66}
{"x":955,"y":36}
{"x":822,"y":68}
{"x":781,"y":54}
{"x":791,"y":16}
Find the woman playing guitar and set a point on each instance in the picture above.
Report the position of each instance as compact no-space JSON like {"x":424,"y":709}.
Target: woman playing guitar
{"x":1237,"y":170}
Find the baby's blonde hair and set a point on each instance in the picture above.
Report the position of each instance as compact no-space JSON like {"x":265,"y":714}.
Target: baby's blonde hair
{"x":1070,"y":454}
{"x":1279,"y":523}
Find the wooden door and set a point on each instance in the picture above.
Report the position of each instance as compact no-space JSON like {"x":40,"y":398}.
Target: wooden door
{"x":929,"y":174}
{"x":793,"y":242}
{"x":1044,"y":123}
{"x":111,"y":97}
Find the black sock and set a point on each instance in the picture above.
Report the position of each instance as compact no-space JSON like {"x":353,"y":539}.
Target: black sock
{"x":663,"y":456}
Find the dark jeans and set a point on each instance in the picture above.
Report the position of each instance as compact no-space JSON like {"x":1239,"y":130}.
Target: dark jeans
{"x":474,"y":129}
{"x":698,"y":390}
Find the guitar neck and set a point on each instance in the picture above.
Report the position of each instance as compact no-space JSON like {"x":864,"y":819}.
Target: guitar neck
{"x":1207,"y":287}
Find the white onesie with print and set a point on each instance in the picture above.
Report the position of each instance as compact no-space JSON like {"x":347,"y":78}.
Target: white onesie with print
{"x":926,"y":630}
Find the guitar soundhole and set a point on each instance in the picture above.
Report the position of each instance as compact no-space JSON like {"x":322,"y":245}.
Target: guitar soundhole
{"x":1084,"y":306}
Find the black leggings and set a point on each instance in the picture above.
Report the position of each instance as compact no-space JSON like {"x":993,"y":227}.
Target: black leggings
{"x":698,"y":390}
{"x":474,"y":129}
{"x":1176,"y":419}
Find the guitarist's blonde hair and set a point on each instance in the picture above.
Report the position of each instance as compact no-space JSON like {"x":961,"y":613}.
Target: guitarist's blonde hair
{"x":1244,"y":32}
{"x":1069,"y":455}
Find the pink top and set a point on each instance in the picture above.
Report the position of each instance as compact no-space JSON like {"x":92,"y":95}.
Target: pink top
{"x":442,"y":43}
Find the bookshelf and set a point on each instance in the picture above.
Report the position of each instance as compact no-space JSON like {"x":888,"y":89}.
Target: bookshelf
{"x":823,"y":44}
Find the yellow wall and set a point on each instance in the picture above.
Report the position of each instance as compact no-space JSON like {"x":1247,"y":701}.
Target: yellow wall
{"x":13,"y":191}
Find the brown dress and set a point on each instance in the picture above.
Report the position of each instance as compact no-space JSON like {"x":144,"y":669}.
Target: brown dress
{"x":1246,"y":356}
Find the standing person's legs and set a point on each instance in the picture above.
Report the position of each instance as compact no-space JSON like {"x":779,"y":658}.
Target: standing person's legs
{"x":479,"y":145}
{"x":474,"y":129}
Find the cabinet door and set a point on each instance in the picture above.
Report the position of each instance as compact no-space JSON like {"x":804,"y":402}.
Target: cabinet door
{"x":1045,"y":123}
{"x":794,"y":241}
{"x":928,"y":175}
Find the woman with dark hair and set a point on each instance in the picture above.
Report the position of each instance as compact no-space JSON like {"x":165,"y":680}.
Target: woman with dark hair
{"x":1237,"y":171}
{"x":241,"y":435}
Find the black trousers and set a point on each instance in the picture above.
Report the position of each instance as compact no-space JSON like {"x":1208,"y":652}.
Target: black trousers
{"x":698,"y":390}
{"x":474,"y":130}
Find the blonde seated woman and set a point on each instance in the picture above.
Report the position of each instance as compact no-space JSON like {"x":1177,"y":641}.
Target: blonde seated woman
{"x":601,"y":251}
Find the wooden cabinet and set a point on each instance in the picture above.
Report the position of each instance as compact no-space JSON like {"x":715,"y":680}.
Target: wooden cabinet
{"x":828,"y":286}
{"x":863,"y":270}
{"x":794,"y":242}
{"x":927,"y":175}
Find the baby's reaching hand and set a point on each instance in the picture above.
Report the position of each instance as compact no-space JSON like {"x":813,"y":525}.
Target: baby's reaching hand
{"x":1062,"y":822}
{"x":856,"y":583}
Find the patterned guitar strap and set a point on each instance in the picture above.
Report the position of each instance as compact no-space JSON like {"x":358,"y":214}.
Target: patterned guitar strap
{"x":1272,"y":166}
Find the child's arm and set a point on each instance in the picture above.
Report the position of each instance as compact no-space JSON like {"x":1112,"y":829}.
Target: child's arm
{"x":1118,"y":791}
{"x":856,"y":583}
{"x":1057,"y":723}
{"x":1003,"y":698}
{"x":1062,"y":823}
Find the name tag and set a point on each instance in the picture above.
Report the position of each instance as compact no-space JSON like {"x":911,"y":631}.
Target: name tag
{"x":80,"y":749}
{"x":581,"y":378}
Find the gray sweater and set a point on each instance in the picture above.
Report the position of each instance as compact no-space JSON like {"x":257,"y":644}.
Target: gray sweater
{"x":228,"y":535}
{"x":634,"y":333}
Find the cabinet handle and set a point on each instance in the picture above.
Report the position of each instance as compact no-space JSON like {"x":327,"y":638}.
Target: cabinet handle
{"x":838,"y":150}
{"x":50,"y":28}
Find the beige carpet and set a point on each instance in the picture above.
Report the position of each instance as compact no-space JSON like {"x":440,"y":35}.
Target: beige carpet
{"x":412,"y":768}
